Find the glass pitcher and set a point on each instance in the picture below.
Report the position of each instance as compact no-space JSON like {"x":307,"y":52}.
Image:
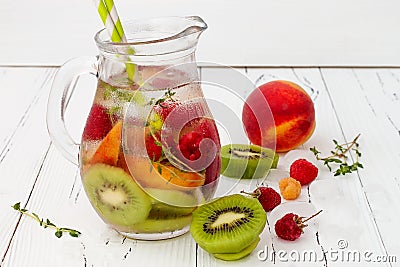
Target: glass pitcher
{"x":150,"y":149}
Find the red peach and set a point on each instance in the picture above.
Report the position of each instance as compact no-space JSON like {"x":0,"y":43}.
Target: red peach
{"x":293,"y":115}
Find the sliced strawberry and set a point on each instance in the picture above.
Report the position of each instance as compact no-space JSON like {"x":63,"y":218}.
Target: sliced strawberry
{"x":98,"y":124}
{"x":164,"y":109}
{"x":153,"y":147}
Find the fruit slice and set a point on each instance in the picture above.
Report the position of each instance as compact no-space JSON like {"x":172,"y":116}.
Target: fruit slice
{"x":178,"y":177}
{"x":162,"y":224}
{"x":115,"y":195}
{"x":236,"y":256}
{"x":247,"y":161}
{"x":228,"y":224}
{"x":98,"y":124}
{"x":153,"y":145}
{"x":108,"y":151}
{"x":171,"y":202}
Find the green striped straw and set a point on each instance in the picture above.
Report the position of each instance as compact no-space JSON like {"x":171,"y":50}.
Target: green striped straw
{"x":109,"y":16}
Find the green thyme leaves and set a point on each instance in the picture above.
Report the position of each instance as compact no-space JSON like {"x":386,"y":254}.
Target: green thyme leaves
{"x":46,"y":223}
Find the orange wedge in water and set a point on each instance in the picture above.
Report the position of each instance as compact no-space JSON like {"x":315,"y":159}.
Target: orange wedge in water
{"x":178,"y":177}
{"x":108,"y":150}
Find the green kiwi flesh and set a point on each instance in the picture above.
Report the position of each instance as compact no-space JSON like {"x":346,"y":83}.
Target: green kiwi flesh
{"x":247,"y":161}
{"x":241,"y":254}
{"x":115,"y":195}
{"x":228,"y":224}
{"x":160,"y":224}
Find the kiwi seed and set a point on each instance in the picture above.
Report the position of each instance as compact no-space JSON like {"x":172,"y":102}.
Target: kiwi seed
{"x":115,"y":195}
{"x":228,"y":224}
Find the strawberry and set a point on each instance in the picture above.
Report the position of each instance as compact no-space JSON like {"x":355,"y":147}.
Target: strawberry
{"x":290,"y":227}
{"x":268,"y":197}
{"x":153,"y":147}
{"x":98,"y":124}
{"x":165,"y":108}
{"x":303,"y":171}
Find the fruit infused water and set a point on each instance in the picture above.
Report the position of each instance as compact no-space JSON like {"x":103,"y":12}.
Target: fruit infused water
{"x":150,"y":154}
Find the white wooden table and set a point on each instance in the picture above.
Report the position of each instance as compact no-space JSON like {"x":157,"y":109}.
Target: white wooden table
{"x":361,"y":211}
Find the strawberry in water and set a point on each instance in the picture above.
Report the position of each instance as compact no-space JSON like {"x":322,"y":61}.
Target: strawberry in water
{"x":153,"y":146}
{"x":98,"y":124}
{"x":164,"y":109}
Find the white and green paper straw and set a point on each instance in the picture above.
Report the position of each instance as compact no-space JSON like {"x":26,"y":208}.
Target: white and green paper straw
{"x":109,"y":16}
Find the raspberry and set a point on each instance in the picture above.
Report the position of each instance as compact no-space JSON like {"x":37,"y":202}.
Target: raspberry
{"x":290,"y":188}
{"x":303,"y":171}
{"x":290,"y":227}
{"x":189,"y":145}
{"x":268,"y":197}
{"x":98,"y":123}
{"x":287,"y":227}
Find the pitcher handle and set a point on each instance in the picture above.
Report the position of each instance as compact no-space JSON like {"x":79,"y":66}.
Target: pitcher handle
{"x":61,"y":90}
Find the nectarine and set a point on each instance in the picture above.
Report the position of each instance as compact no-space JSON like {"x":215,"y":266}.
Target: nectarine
{"x":293,"y":115}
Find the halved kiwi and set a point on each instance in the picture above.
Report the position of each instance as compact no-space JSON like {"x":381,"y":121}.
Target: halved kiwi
{"x":241,"y":254}
{"x":228,"y":224}
{"x":115,"y":195}
{"x":247,"y":161}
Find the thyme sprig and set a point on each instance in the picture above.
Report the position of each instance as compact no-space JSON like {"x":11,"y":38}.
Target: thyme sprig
{"x":168,"y":95}
{"x":46,"y":223}
{"x":340,"y":155}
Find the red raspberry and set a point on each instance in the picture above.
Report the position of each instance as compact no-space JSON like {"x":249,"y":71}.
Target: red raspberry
{"x":287,"y":227}
{"x":98,"y":124}
{"x":303,"y":171}
{"x":189,"y":145}
{"x":290,"y":227}
{"x":268,"y":197}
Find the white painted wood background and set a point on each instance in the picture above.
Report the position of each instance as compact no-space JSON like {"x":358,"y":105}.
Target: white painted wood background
{"x":362,"y":209}
{"x":241,"y":33}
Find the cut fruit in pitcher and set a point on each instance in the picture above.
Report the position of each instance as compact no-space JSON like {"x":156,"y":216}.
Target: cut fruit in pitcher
{"x":108,"y":151}
{"x":115,"y":195}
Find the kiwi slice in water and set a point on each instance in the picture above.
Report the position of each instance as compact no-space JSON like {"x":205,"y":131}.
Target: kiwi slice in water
{"x":171,"y":202}
{"x":247,"y":161}
{"x":115,"y":195}
{"x":161,"y":223}
{"x":228,"y":224}
{"x":241,"y":254}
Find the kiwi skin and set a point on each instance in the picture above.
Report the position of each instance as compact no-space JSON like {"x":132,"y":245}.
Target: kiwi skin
{"x":247,"y":161}
{"x":228,"y":224}
{"x":115,"y":195}
{"x":241,"y":254}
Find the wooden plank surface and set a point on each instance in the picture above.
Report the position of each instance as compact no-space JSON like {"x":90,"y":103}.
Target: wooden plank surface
{"x":359,"y":210}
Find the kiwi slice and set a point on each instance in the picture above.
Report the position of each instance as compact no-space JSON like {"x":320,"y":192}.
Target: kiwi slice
{"x":241,"y":254}
{"x":115,"y":195}
{"x":228,"y":224}
{"x":171,"y":202}
{"x":161,"y":224}
{"x":247,"y":161}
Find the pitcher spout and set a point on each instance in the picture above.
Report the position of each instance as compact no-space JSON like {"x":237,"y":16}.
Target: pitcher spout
{"x":157,"y":36}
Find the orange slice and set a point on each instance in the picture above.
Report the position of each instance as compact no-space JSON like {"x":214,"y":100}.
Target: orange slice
{"x":108,"y":150}
{"x":178,"y":177}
